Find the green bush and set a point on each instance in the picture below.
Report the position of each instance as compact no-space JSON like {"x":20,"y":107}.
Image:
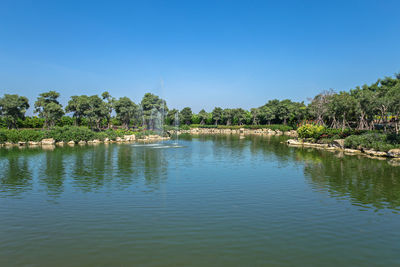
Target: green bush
{"x":3,"y":136}
{"x":310,"y":131}
{"x":31,"y":135}
{"x":376,"y":141}
{"x":70,"y":133}
{"x":274,"y":127}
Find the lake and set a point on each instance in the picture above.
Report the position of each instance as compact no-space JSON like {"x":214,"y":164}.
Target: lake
{"x":208,"y":201}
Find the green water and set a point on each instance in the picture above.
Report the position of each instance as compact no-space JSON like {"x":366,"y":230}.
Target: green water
{"x":215,"y":201}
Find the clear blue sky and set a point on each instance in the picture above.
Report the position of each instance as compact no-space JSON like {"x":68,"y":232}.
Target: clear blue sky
{"x":207,"y":53}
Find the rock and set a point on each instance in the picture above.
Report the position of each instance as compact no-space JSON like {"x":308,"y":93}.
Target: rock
{"x":338,"y":143}
{"x":48,"y":141}
{"x":32,"y":143}
{"x":277,"y":132}
{"x":118,"y":139}
{"x":8,"y":144}
{"x":82,"y":143}
{"x":352,"y":151}
{"x":375,"y":153}
{"x":294,"y":142}
{"x":20,"y":143}
{"x":61,"y":143}
{"x":130,"y":137}
{"x":96,"y":141}
{"x":71,"y":143}
{"x":90,"y":142}
{"x":106,"y":140}
{"x":394,"y":153}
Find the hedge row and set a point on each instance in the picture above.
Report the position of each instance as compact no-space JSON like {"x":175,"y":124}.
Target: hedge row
{"x":65,"y":133}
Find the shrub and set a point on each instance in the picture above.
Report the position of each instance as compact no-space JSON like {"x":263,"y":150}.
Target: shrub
{"x":279,"y":127}
{"x":3,"y":136}
{"x":376,"y":141}
{"x":68,"y":133}
{"x":31,"y":135}
{"x":310,"y":131}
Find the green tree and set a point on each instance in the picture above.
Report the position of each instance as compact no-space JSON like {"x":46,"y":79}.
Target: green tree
{"x":48,"y":108}
{"x":12,"y":108}
{"x":92,"y":108}
{"x":227,"y":116}
{"x":126,"y":111}
{"x":267,"y":114}
{"x":203,"y":115}
{"x":78,"y":105}
{"x":239,"y":115}
{"x":150,"y":106}
{"x":217,"y":115}
{"x":109,"y":103}
{"x":255,"y":115}
{"x":186,"y":115}
{"x":174,"y":117}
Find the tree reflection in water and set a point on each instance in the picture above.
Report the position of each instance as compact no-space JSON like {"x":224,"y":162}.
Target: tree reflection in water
{"x":365,"y":182}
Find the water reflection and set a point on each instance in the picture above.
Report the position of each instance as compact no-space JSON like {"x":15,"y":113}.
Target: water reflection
{"x":365,"y":182}
{"x":15,"y":172}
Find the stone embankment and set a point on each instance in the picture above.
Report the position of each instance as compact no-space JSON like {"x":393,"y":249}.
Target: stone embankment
{"x":245,"y":131}
{"x":50,"y":142}
{"x":338,"y":145}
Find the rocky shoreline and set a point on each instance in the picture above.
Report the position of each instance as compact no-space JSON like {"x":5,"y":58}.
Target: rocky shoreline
{"x":338,"y":145}
{"x":50,"y":142}
{"x":244,"y":131}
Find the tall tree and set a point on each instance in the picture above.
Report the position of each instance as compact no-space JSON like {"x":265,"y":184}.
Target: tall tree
{"x":151,"y":107}
{"x":12,"y":108}
{"x":217,"y":115}
{"x":227,"y":116}
{"x":126,"y":110}
{"x":109,"y":103}
{"x":186,"y":115}
{"x":174,"y":117}
{"x":203,"y":115}
{"x":255,"y":115}
{"x":49,"y":108}
{"x":78,"y":105}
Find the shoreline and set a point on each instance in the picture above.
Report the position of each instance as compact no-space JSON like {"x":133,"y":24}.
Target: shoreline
{"x":337,"y":146}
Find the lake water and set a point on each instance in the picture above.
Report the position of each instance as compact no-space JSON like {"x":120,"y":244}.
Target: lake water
{"x":214,"y":201}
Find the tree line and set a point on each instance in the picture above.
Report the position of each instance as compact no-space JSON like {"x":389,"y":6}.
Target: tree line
{"x":367,"y":107}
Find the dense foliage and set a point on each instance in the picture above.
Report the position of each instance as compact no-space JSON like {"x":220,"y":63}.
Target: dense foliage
{"x":65,"y":133}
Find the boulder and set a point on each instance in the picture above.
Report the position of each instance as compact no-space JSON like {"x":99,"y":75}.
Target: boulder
{"x":352,"y":151}
{"x":96,"y":141}
{"x":20,"y":143}
{"x":338,"y":143}
{"x":118,"y":139}
{"x":375,"y":153}
{"x":32,"y":143}
{"x":82,"y":142}
{"x":277,"y":132}
{"x":294,"y":142}
{"x":130,"y":137}
{"x":71,"y":143}
{"x":48,"y":141}
{"x":61,"y":143}
{"x":394,"y":153}
{"x":106,"y":140}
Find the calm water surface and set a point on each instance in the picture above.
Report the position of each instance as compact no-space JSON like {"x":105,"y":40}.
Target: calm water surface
{"x":215,"y":201}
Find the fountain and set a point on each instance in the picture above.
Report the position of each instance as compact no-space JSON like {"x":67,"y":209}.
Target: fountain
{"x":176,"y":124}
